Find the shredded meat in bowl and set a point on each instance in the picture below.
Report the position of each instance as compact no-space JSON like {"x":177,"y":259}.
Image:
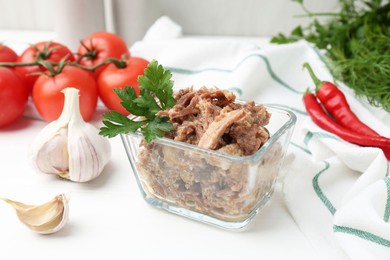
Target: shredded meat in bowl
{"x":211,"y":118}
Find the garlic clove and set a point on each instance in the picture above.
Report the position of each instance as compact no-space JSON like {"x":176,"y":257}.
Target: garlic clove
{"x":55,"y":152}
{"x":87,"y":153}
{"x":46,"y":218}
{"x":70,"y":147}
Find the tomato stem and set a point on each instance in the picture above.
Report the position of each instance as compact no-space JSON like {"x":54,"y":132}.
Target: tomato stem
{"x":90,"y":53}
{"x":17,"y":64}
{"x":42,"y":62}
{"x":120,"y":64}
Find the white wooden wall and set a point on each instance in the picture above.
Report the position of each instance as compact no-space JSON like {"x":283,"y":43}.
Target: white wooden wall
{"x":131,"y":18}
{"x":26,"y":14}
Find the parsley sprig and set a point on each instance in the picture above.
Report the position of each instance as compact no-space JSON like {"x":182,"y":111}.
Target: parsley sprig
{"x":155,"y":84}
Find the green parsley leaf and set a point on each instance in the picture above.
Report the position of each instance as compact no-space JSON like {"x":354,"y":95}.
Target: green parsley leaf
{"x":117,"y":123}
{"x":156,"y":128}
{"x":158,"y":81}
{"x":156,"y":94}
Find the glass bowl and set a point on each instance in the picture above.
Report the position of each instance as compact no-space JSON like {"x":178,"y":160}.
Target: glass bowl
{"x":208,"y":186}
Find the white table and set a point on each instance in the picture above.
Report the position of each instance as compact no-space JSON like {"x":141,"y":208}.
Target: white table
{"x":110,"y":220}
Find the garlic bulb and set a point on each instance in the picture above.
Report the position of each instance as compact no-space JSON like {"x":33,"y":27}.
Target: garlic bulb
{"x":69,"y":147}
{"x":46,"y":218}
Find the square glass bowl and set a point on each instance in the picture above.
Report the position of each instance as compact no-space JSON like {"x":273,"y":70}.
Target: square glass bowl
{"x":212,"y":187}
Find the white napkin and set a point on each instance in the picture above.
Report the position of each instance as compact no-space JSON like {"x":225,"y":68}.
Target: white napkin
{"x":338,"y":193}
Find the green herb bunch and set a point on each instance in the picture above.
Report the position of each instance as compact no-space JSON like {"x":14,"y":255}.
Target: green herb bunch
{"x":356,"y":41}
{"x":156,"y":94}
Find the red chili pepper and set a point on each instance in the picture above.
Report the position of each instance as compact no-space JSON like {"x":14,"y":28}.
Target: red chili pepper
{"x":337,"y":106}
{"x":320,"y":117}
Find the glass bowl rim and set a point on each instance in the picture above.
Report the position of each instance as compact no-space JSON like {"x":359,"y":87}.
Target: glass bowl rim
{"x":254,"y":157}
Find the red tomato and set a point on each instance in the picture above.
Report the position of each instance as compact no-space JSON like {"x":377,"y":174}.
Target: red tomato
{"x":13,"y":96}
{"x":7,"y":54}
{"x":49,"y":100}
{"x":100,"y":46}
{"x":113,"y":77}
{"x":50,"y":51}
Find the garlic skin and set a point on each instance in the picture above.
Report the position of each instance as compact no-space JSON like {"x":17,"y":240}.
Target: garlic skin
{"x":46,"y":218}
{"x":70,"y":147}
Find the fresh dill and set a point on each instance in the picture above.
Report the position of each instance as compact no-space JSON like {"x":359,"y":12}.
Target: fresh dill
{"x":356,"y":41}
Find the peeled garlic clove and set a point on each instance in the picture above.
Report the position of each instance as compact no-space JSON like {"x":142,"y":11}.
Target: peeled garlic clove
{"x":46,"y":218}
{"x":69,"y":147}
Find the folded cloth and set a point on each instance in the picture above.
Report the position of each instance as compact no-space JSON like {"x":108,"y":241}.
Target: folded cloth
{"x":338,"y":193}
{"x":163,"y":28}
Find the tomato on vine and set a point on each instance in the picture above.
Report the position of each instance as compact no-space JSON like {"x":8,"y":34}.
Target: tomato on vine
{"x":118,"y":76}
{"x":7,"y":54}
{"x":49,"y":100}
{"x":42,"y":51}
{"x":13,"y":96}
{"x":100,"y":46}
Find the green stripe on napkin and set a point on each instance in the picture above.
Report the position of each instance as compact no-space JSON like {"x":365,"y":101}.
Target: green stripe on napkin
{"x":258,"y":55}
{"x":387,"y":208}
{"x":318,"y":189}
{"x":316,"y":185}
{"x":362,"y":234}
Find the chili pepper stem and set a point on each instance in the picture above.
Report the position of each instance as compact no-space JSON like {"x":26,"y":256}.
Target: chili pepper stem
{"x":316,"y":80}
